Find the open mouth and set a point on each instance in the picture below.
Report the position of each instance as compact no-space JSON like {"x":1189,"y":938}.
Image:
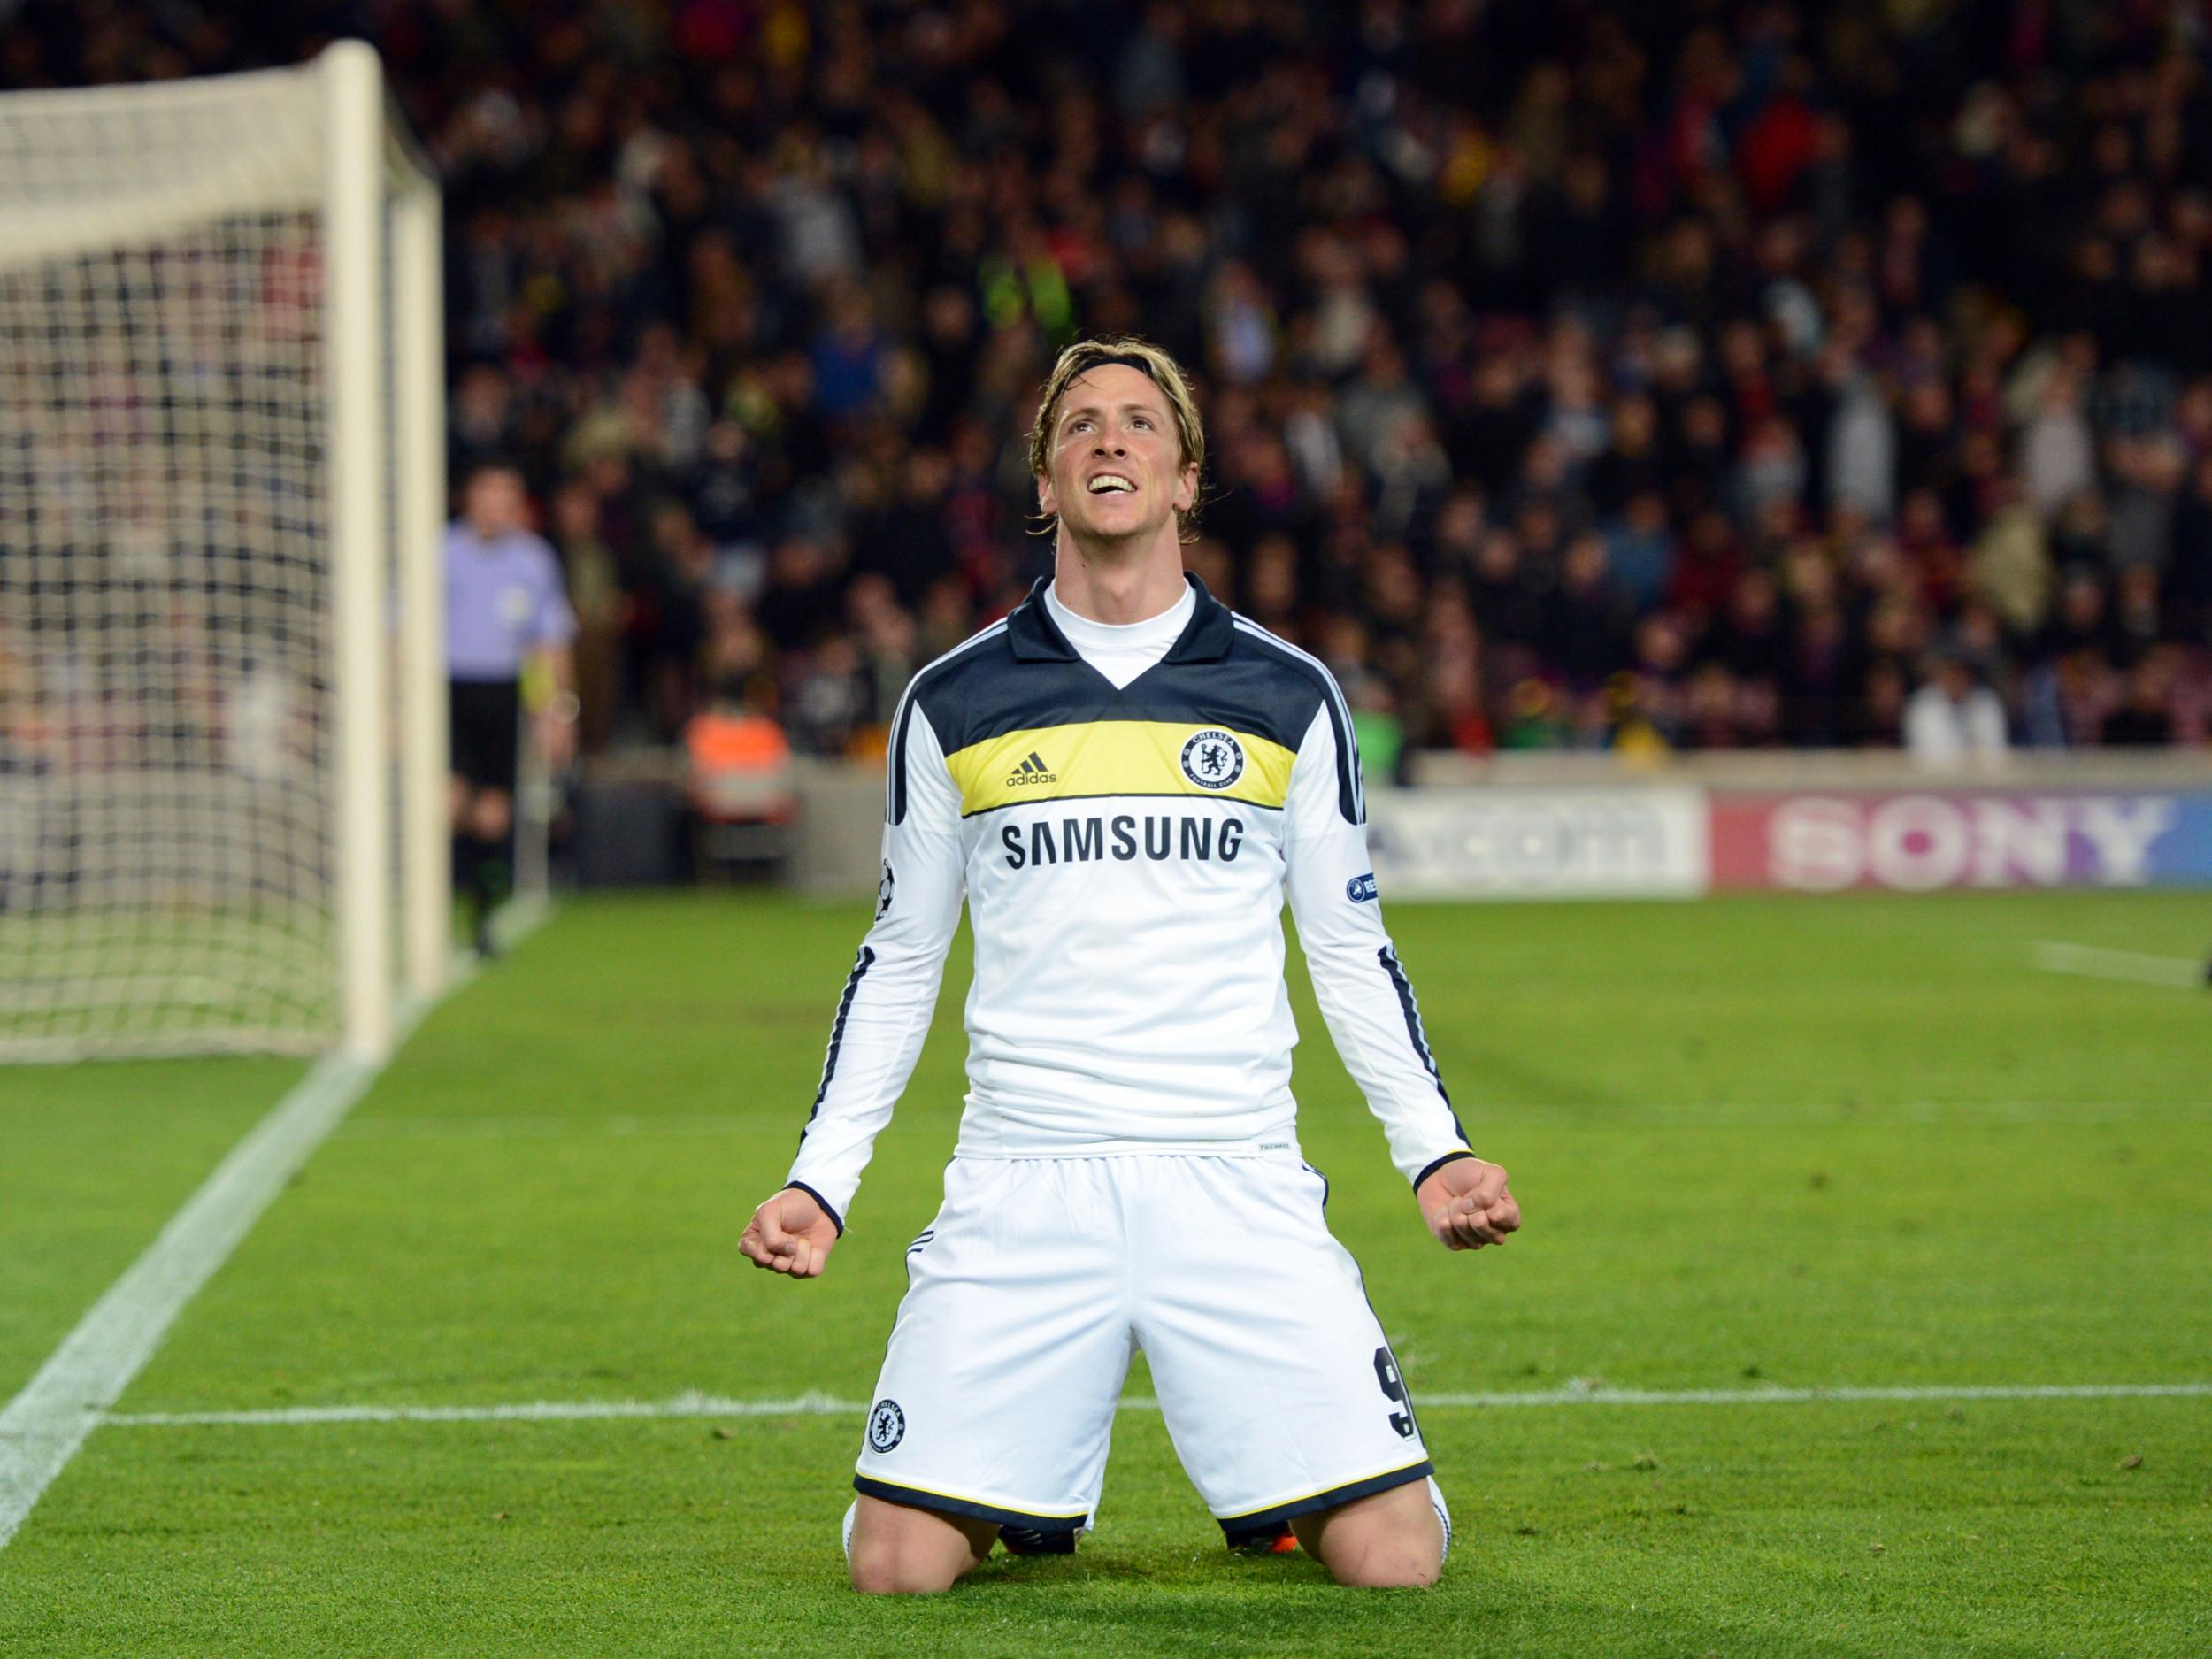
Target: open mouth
{"x":1112,"y":484}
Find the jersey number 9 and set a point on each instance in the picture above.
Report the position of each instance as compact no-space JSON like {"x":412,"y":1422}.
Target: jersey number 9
{"x":1393,"y":1388}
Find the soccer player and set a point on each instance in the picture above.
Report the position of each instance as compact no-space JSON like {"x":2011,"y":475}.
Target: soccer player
{"x":1122,"y":778}
{"x":505,"y":603}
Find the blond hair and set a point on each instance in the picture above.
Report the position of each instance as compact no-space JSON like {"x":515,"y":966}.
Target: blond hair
{"x":1157,"y":366}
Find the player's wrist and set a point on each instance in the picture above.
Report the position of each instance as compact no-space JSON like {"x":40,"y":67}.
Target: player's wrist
{"x":826,"y":1208}
{"x":1434,"y":1164}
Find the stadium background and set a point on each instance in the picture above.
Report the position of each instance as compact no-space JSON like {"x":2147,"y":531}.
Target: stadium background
{"x":1581,"y":376}
{"x":1583,"y":379}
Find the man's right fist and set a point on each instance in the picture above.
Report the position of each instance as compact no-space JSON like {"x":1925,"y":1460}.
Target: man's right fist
{"x":790,"y":1233}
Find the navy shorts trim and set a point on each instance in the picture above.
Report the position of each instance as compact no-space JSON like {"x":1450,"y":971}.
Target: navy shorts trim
{"x":1328,"y":1500}
{"x":914,"y":1499}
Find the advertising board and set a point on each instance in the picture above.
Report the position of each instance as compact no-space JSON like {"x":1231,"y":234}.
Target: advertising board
{"x":1921,"y":842}
{"x":1600,"y":841}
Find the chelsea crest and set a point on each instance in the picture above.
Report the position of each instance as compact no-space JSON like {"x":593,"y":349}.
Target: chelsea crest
{"x":1213,"y":759}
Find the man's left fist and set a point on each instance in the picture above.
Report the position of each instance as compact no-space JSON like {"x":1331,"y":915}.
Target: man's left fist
{"x":1467,"y":1205}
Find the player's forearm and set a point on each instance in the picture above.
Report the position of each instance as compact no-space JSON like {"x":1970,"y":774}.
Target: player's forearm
{"x":883,"y":1012}
{"x":1366,"y":996}
{"x":1368,"y":1002}
{"x":876,"y":1037}
{"x":1363,"y":991}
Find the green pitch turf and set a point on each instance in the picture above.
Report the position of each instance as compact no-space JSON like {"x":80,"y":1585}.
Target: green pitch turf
{"x":1760,"y":1141}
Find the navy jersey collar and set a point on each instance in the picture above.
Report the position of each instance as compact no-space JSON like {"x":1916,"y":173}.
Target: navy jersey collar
{"x":1035,"y":638}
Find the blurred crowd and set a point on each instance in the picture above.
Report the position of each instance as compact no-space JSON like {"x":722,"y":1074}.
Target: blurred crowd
{"x":1580,"y":374}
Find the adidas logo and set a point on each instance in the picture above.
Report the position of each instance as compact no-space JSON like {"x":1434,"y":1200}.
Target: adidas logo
{"x":1030,"y":773}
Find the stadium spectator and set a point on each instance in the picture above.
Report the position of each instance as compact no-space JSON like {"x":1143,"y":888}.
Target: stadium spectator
{"x":594,"y":592}
{"x":1718,"y":289}
{"x":1953,"y":719}
{"x":2146,"y":720}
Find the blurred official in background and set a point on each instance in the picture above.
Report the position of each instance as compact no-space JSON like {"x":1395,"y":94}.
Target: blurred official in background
{"x":507,"y":625}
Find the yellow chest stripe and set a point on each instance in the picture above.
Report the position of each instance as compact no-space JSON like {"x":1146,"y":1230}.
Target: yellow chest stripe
{"x":1107,"y":758}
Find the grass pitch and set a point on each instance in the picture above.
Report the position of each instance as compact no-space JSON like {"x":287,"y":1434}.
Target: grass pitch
{"x":1761,"y":1142}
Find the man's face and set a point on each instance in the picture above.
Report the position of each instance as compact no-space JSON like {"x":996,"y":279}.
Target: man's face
{"x":494,"y":502}
{"x":1115,"y":468}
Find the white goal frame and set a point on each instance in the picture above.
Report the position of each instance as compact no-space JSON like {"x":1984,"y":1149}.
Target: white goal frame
{"x":329,"y":148}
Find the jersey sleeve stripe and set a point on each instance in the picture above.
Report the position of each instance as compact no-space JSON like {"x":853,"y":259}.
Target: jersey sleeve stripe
{"x":1351,"y":790}
{"x":903,"y":719}
{"x":1415,"y":1031}
{"x":895,"y":764}
{"x":862,"y":962}
{"x":1412,"y":1011}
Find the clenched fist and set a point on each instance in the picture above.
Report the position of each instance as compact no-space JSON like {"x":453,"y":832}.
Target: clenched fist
{"x":790,"y":1233}
{"x":1467,"y":1206}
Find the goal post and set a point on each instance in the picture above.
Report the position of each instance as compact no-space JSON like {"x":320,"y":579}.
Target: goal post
{"x":222,"y":691}
{"x":418,"y":407}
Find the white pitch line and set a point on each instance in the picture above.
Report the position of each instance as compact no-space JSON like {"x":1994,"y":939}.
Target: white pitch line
{"x":2182,"y":972}
{"x":42,"y":1426}
{"x":689,"y":1405}
{"x":819,"y":1405}
{"x":1597,"y":1394}
{"x":553,"y":1127}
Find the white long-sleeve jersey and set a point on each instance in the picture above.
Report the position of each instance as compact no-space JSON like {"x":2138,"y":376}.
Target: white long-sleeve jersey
{"x":1123,"y":852}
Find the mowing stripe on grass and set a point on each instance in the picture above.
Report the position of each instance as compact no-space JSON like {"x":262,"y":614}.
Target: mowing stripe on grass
{"x":43,"y":1427}
{"x":2185,"y":973}
{"x":818,"y":1405}
{"x":1679,"y":1115}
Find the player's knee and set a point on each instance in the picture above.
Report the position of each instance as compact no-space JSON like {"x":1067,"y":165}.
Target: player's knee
{"x":1404,"y":1557}
{"x":1413,"y":1566}
{"x":889,"y":1573}
{"x":1392,"y":1541}
{"x":892,"y":1550}
{"x":492,"y":815}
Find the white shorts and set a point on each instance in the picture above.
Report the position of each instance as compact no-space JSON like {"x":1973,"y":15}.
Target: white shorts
{"x":1040,"y":1277}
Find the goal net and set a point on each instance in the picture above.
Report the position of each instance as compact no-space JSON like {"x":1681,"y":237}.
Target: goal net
{"x":221,"y":743}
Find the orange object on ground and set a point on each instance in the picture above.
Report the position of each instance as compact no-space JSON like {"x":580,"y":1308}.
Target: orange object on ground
{"x":740,"y":768}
